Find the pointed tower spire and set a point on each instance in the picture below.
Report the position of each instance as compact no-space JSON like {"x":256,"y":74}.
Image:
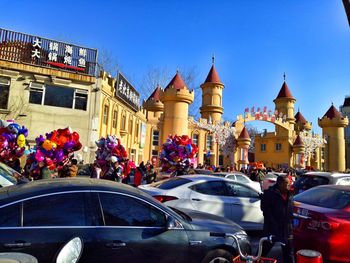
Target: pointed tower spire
{"x":213,"y":59}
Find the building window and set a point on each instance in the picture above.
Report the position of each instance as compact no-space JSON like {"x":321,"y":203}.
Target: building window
{"x":195,"y":137}
{"x":123,"y":121}
{"x":58,"y":96}
{"x":221,"y":160}
{"x":4,"y":91}
{"x":130,"y":126}
{"x":209,"y":142}
{"x":154,"y":153}
{"x":155,"y":138}
{"x":105,"y":114}
{"x":80,"y":99}
{"x":263,"y":147}
{"x":36,"y":93}
{"x":115,"y":116}
{"x":278,"y":146}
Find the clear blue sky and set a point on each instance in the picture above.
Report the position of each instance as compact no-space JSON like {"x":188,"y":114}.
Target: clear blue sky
{"x":254,"y":43}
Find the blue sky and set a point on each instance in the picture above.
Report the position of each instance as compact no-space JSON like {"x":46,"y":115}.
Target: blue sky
{"x":254,"y":43}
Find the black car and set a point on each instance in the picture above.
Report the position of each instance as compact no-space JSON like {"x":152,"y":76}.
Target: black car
{"x":116,"y":222}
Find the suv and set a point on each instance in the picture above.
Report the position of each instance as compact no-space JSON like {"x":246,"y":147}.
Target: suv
{"x":116,"y":222}
{"x":312,"y":179}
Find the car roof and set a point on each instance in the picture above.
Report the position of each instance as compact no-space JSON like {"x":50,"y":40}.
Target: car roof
{"x":333,"y":186}
{"x":326,"y":174}
{"x":226,"y":173}
{"x":11,"y":193}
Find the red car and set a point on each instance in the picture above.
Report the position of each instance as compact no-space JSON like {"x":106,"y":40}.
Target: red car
{"x":322,"y":221}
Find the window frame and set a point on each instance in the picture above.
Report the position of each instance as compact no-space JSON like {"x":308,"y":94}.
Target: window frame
{"x":208,"y":142}
{"x":115,"y":119}
{"x":278,"y":146}
{"x":155,"y":142}
{"x":263,"y":147}
{"x":6,"y":83}
{"x":105,"y":114}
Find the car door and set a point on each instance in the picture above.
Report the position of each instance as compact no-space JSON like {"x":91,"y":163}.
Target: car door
{"x":40,"y":226}
{"x":211,"y":197}
{"x":133,"y":230}
{"x":245,"y":205}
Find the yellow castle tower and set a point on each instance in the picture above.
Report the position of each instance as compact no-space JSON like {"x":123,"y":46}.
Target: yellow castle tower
{"x":212,"y":97}
{"x":298,"y":153}
{"x":301,"y":124}
{"x":284,"y":103}
{"x":176,"y":98}
{"x":333,"y":124}
{"x":243,"y":143}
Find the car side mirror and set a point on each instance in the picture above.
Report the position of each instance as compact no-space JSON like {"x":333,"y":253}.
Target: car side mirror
{"x":71,"y":251}
{"x":172,"y":223}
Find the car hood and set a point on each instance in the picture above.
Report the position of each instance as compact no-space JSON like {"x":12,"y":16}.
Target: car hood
{"x":210,"y":222}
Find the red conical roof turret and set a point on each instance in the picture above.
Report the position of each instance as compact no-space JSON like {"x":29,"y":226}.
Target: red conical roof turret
{"x":213,"y":76}
{"x":299,"y":118}
{"x":298,"y":141}
{"x":176,"y":83}
{"x":285,"y":92}
{"x":244,"y":134}
{"x":155,"y":94}
{"x":332,"y":113}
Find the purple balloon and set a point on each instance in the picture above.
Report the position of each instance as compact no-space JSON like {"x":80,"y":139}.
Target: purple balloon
{"x":39,"y":140}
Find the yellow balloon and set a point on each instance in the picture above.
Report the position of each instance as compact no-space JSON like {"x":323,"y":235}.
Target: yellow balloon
{"x":47,"y":145}
{"x":54,"y":145}
{"x":21,"y":140}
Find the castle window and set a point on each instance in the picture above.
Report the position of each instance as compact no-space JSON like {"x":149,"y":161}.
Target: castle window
{"x":155,"y":138}
{"x":278,"y":146}
{"x":4,"y":91}
{"x":263,"y":147}
{"x":123,"y":121}
{"x":115,"y":116}
{"x":209,"y":142}
{"x":105,"y":114}
{"x":130,"y":126}
{"x":195,"y":138}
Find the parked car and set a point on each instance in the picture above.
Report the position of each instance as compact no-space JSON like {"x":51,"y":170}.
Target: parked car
{"x":8,"y":176}
{"x":322,"y":221}
{"x":163,"y":175}
{"x":216,"y":195}
{"x":116,"y":222}
{"x":270,"y":179}
{"x":239,"y":177}
{"x":312,"y":179}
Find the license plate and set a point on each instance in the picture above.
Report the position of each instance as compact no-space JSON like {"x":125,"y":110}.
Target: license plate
{"x":295,"y":222}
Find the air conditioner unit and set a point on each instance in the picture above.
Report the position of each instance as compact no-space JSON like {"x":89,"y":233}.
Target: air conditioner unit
{"x":5,"y":81}
{"x":35,"y":85}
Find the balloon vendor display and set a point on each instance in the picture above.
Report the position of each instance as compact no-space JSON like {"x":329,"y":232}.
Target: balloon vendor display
{"x":109,"y":149}
{"x":53,"y":150}
{"x":12,"y":140}
{"x":177,"y":152}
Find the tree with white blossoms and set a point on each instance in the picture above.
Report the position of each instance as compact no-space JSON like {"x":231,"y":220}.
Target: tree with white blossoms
{"x":223,"y":134}
{"x":311,"y":143}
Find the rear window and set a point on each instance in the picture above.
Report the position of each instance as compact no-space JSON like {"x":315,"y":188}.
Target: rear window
{"x":171,"y":183}
{"x":325,"y":197}
{"x":307,"y":182}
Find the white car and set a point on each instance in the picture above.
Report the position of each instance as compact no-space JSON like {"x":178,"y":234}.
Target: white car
{"x":216,"y":195}
{"x":7,"y":175}
{"x":239,"y":177}
{"x":270,"y":179}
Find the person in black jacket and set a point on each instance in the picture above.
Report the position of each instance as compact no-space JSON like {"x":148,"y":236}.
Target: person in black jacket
{"x":276,"y":204}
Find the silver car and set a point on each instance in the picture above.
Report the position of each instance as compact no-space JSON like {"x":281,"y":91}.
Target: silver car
{"x":216,"y":195}
{"x":241,"y":178}
{"x":7,"y":175}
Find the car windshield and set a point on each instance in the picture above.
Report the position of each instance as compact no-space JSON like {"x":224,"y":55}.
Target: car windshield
{"x":7,"y":175}
{"x":325,"y":197}
{"x":171,"y":183}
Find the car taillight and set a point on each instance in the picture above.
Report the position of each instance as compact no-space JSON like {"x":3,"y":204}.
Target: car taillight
{"x":164,"y":198}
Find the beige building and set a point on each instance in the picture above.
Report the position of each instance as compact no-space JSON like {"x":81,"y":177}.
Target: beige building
{"x":345,"y":110}
{"x":47,"y":85}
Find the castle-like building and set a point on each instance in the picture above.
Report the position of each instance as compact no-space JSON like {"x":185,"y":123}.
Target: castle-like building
{"x":46,"y":85}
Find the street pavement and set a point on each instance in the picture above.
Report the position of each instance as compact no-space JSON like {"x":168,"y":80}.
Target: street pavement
{"x":275,"y":252}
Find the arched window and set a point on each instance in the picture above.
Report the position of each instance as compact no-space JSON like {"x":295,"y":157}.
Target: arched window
{"x":209,"y":141}
{"x":105,"y":114}
{"x":115,"y":119}
{"x":195,"y":138}
{"x":130,"y":126}
{"x":123,"y":121}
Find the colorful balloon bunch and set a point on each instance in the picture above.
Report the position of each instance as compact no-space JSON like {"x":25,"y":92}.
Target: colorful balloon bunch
{"x":177,"y":152}
{"x":108,"y":149}
{"x":12,"y":140}
{"x":53,"y":150}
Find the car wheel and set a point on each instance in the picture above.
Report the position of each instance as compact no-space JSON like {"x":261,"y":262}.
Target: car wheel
{"x":218,"y":256}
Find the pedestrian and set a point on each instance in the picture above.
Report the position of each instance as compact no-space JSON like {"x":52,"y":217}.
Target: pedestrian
{"x":151,"y":175}
{"x":261,"y":177}
{"x":73,"y":168}
{"x":276,"y":204}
